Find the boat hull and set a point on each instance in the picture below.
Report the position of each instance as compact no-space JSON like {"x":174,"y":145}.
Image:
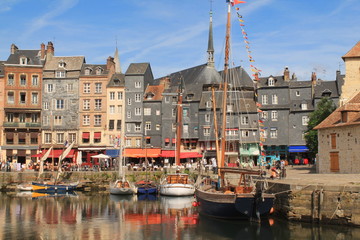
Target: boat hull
{"x":147,"y":190}
{"x":121,"y":191}
{"x":45,"y":188}
{"x":177,"y":189}
{"x":233,"y":206}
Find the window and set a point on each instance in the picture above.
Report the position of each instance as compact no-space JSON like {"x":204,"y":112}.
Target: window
{"x":23,"y":61}
{"x":148,"y":126}
{"x":206,"y":131}
{"x":60,"y":138}
{"x":137,"y":97}
{"x":207,"y":117}
{"x":167,"y":100}
{"x":128,"y":142}
{"x":34,"y":98}
{"x":62,"y":64}
{"x":10,"y":117}
{"x":297,"y":93}
{"x":112,"y":95}
{"x":120,"y":95}
{"x":174,"y":112}
{"x":87,"y":71}
{"x":137,"y":84}
{"x":10,"y":97}
{"x":118,"y":125}
{"x":22,"y":117}
{"x":274,"y":99}
{"x":305,"y":120}
{"x":70,"y":87}
{"x":46,"y":120}
{"x":244,"y":120}
{"x":147,"y":111}
{"x":22,"y":80}
{"x":245,"y":133}
{"x":119,"y":109}
{"x":137,"y":142}
{"x":22,"y":98}
{"x":97,"y":137}
{"x":264,"y":115}
{"x":35,"y":80}
{"x":174,"y":127}
{"x":185,"y":112}
{"x":97,"y":104}
{"x":34,"y":118}
{"x":99,"y":71}
{"x":60,"y":104}
{"x":97,"y":120}
{"x":86,"y":120}
{"x":128,"y":127}
{"x":49,"y":88}
{"x":273,"y":132}
{"x":137,"y":127}
{"x":10,"y":79}
{"x":86,"y":88}
{"x":303,"y":106}
{"x":186,"y":128}
{"x":264,"y":99}
{"x":98,"y":87}
{"x":48,"y":138}
{"x":111,"y":124}
{"x":86,"y":104}
{"x":208,"y":104}
{"x":46,"y":105}
{"x":128,"y":114}
{"x":57,"y":120}
{"x":60,"y":74}
{"x":274,"y":115}
{"x":72,"y":137}
{"x":129,"y":101}
{"x":157,"y":127}
{"x":137,"y":111}
{"x":112,"y":109}
{"x":271,"y":81}
{"x":230,"y":108}
{"x":157,"y":112}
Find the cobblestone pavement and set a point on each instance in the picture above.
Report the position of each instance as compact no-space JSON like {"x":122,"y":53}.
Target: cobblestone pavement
{"x":306,"y":174}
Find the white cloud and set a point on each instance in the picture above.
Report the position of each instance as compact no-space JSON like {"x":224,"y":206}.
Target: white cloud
{"x":6,"y":5}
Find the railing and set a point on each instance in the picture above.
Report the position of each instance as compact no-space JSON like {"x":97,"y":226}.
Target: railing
{"x":20,"y":125}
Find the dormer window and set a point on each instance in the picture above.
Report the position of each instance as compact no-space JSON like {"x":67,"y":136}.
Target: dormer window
{"x":344,"y":117}
{"x":99,"y":71}
{"x":326,"y":93}
{"x":87,"y":71}
{"x":190,"y":96}
{"x":271,"y":81}
{"x":23,"y":61}
{"x":304,"y":106}
{"x":116,"y":82}
{"x":150,"y":96}
{"x":60,"y":74}
{"x":62,"y":64}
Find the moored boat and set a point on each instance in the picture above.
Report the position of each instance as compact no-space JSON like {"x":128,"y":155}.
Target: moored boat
{"x":54,"y":187}
{"x":146,"y":187}
{"x":178,"y":184}
{"x":122,"y":187}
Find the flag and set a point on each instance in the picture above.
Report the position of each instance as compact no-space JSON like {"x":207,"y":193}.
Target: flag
{"x":259,"y":110}
{"x":234,"y":2}
{"x":240,"y":20}
{"x":258,"y":105}
{"x":242,"y":25}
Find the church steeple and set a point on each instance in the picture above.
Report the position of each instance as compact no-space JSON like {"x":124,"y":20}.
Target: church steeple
{"x":117,"y":61}
{"x":210,"y":50}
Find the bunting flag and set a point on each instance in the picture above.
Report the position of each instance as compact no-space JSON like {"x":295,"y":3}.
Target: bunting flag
{"x":234,"y":2}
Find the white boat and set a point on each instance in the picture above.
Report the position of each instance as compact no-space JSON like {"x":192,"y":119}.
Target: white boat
{"x":24,"y":187}
{"x":178,"y":184}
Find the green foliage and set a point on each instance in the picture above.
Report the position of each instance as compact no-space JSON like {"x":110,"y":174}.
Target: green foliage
{"x":323,"y":109}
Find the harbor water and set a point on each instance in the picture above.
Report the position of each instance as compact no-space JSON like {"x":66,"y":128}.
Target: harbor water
{"x":27,"y":215}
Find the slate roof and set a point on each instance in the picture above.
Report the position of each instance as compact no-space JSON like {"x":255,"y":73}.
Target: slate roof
{"x":117,"y":80}
{"x":299,"y":84}
{"x":137,"y":68}
{"x":353,"y":52}
{"x":33,"y":57}
{"x":2,"y":68}
{"x":326,"y":87}
{"x":93,"y":68}
{"x":352,"y":109}
{"x":72,"y":63}
{"x":295,"y":105}
{"x":279,"y":82}
{"x":240,"y":78}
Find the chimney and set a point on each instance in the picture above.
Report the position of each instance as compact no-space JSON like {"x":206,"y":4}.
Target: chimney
{"x":50,"y":50}
{"x":42,"y":51}
{"x":313,"y":78}
{"x":286,"y":74}
{"x":13,"y":48}
{"x":110,"y":62}
{"x":293,"y":76}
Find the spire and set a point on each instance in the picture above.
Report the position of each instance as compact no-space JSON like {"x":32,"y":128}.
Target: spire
{"x":210,"y":50}
{"x":117,"y":61}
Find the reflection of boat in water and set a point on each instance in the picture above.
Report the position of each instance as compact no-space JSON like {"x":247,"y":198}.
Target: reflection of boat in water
{"x":123,"y":198}
{"x":176,"y":202}
{"x":37,"y":195}
{"x":148,"y":197}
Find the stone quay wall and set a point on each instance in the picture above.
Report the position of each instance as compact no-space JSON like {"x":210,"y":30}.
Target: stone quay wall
{"x":337,"y":204}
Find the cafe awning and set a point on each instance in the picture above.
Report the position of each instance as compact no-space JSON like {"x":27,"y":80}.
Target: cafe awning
{"x":171,"y":154}
{"x":55,"y":153}
{"x":142,"y":152}
{"x":298,"y":149}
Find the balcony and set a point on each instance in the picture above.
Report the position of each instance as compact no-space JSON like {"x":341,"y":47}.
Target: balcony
{"x":21,"y":125}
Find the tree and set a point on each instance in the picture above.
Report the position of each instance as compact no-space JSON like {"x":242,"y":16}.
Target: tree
{"x":323,"y":109}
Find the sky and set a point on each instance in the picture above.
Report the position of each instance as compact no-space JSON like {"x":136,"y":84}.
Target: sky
{"x":305,"y":36}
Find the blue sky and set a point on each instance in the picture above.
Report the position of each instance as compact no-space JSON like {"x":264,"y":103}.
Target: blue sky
{"x":171,"y":35}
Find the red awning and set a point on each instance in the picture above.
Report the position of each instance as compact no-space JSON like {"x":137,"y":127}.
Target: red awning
{"x":142,"y":153}
{"x":86,"y":135}
{"x":97,"y":135}
{"x":56,"y":153}
{"x":171,"y":153}
{"x":167,"y":140}
{"x":174,"y":140}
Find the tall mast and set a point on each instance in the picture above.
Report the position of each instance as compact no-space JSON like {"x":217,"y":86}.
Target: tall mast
{"x":225,"y":88}
{"x":179,"y":124}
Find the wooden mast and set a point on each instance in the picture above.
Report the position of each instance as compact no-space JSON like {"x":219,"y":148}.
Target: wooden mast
{"x":225,"y":89}
{"x":179,"y":125}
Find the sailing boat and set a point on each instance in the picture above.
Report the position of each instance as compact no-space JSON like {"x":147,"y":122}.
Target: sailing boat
{"x":178,"y":184}
{"x":223,"y":199}
{"x":122,"y":186}
{"x":56,"y":186}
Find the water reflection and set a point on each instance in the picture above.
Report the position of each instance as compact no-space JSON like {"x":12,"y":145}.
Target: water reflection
{"x":79,"y":216}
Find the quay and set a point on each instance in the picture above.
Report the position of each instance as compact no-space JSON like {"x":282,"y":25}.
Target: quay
{"x":303,"y":195}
